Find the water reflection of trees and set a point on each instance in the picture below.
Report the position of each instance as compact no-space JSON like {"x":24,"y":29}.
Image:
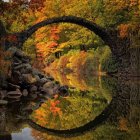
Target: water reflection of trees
{"x":73,"y":111}
{"x":86,"y":101}
{"x":123,"y":121}
{"x":79,"y":80}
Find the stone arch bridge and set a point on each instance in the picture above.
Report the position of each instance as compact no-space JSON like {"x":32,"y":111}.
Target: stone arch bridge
{"x":120,"y":47}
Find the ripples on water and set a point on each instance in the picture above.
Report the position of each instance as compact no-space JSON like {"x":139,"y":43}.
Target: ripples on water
{"x":110,"y":106}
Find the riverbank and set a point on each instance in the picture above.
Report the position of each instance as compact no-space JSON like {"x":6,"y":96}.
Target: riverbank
{"x":24,"y":80}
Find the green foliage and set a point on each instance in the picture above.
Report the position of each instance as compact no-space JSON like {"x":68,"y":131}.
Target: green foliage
{"x":71,"y":36}
{"x":90,"y":62}
{"x":108,"y":63}
{"x":76,"y":110}
{"x":29,"y":48}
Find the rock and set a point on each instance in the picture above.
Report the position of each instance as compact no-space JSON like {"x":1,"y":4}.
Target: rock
{"x":13,"y":86}
{"x":35,"y":71}
{"x":3,"y":102}
{"x":3,"y":94}
{"x":41,"y":75}
{"x":33,"y":89}
{"x":63,"y":91}
{"x":27,"y":66}
{"x":17,"y":63}
{"x":29,"y":78}
{"x":48,"y":85}
{"x":3,"y":82}
{"x":12,"y":100}
{"x":12,"y":50}
{"x":16,"y":73}
{"x":56,"y":88}
{"x":17,"y":60}
{"x":48,"y":96}
{"x":14,"y":94}
{"x":23,"y":71}
{"x":19,"y":53}
{"x":4,"y":85}
{"x":37,"y":78}
{"x":15,"y":78}
{"x":49,"y":91}
{"x":26,"y":59}
{"x":25,"y":92}
{"x":33,"y":95}
{"x":42,"y":81}
{"x":40,"y":95}
{"x":51,"y":78}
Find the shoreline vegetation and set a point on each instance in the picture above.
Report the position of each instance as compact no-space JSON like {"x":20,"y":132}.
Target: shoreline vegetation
{"x":97,"y":62}
{"x":69,"y":47}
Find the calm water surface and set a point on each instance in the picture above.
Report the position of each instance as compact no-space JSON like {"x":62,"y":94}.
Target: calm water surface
{"x":96,"y":108}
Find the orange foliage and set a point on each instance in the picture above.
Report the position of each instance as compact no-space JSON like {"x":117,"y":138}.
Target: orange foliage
{"x":44,"y":47}
{"x":53,"y":44}
{"x":54,"y":33}
{"x":123,"y":124}
{"x":54,"y":108}
{"x":40,"y":115}
{"x":133,"y":3}
{"x":124,"y":30}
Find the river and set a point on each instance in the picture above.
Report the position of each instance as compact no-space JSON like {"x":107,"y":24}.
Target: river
{"x":95,"y":108}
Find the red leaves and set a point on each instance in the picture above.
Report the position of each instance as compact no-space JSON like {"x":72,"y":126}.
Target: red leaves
{"x":36,"y":4}
{"x":12,"y":38}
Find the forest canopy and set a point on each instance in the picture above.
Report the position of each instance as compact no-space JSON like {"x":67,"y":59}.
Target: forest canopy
{"x":51,"y":42}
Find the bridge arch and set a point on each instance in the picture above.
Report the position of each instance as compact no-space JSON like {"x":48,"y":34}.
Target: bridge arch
{"x":99,"y":31}
{"x":97,"y":121}
{"x":105,"y":36}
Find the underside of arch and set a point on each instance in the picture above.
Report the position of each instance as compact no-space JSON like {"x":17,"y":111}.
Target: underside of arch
{"x":78,"y":130}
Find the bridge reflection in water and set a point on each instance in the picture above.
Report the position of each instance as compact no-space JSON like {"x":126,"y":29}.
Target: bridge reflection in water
{"x":96,"y":108}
